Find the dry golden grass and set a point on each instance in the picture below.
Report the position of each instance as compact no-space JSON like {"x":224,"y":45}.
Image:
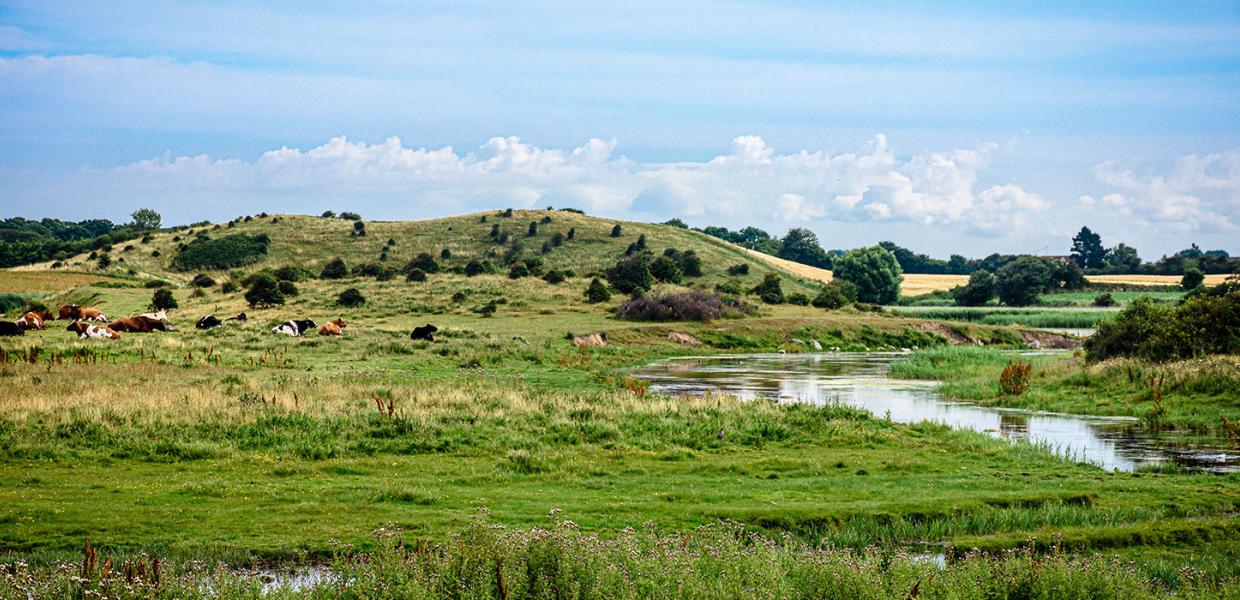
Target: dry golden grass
{"x":26,"y":280}
{"x":1150,"y":279}
{"x":914,"y":283}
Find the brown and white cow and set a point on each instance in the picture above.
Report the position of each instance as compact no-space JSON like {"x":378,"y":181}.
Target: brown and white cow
{"x":74,"y":312}
{"x":31,"y":320}
{"x":140,"y":324}
{"x":88,"y":331}
{"x":335,"y":327}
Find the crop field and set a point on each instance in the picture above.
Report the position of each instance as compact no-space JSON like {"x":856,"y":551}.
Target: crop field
{"x":502,"y":445}
{"x":1150,"y":280}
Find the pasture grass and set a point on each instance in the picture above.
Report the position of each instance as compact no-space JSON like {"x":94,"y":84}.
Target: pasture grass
{"x":1070,"y":318}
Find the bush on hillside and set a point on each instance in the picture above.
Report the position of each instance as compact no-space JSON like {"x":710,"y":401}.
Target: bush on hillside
{"x":264,"y":291}
{"x":533,"y":230}
{"x":769,"y":291}
{"x":631,"y":274}
{"x":553,"y":277}
{"x":445,"y":254}
{"x":734,"y":287}
{"x":557,"y":239}
{"x":230,"y":251}
{"x":694,"y":305}
{"x":1104,"y":300}
{"x":798,"y":299}
{"x":1192,"y":279}
{"x":349,"y":216}
{"x":835,"y":295}
{"x":518,"y":270}
{"x":415,"y":275}
{"x":351,"y":297}
{"x":738,"y":270}
{"x":636,"y":247}
{"x":423,"y":261}
{"x":665,"y":270}
{"x":287,"y":288}
{"x":978,"y":291}
{"x":293,"y":273}
{"x":874,"y":270}
{"x":617,"y":230}
{"x":334,"y":269}
{"x":474,"y":268}
{"x":154,"y":283}
{"x":202,"y":280}
{"x":163,"y":299}
{"x":597,"y":292}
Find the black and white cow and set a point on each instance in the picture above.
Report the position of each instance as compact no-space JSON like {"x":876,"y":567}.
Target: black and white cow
{"x":424,"y":333}
{"x":11,"y":328}
{"x":239,"y":317}
{"x":208,"y":322}
{"x":296,"y":328}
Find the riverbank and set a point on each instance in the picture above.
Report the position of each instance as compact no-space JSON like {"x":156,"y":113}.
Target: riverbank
{"x":1191,"y":397}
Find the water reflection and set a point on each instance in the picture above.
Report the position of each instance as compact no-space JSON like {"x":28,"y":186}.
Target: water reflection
{"x":860,"y":380}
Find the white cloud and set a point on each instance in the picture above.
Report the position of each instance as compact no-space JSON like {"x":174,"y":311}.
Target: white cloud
{"x":1201,"y":193}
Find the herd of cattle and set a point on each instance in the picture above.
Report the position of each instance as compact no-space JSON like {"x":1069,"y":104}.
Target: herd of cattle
{"x":90,"y":323}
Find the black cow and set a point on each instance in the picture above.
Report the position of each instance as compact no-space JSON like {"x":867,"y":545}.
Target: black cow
{"x":240,"y":317}
{"x":424,"y":333}
{"x":11,"y":328}
{"x":296,"y":328}
{"x":208,"y":322}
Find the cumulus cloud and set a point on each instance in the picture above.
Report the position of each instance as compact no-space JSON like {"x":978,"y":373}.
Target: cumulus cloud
{"x":1200,"y":193}
{"x":751,"y":183}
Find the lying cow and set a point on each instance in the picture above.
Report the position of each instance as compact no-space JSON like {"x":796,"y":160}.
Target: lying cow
{"x":239,"y":317}
{"x":8,"y":328}
{"x":31,"y":320}
{"x":159,"y":315}
{"x":140,"y":324}
{"x":295,"y":328}
{"x":74,"y":312}
{"x":208,"y":322}
{"x":424,"y":333}
{"x":88,"y":331}
{"x":331,"y":328}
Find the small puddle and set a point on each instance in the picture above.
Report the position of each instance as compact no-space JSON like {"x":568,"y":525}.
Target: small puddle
{"x":861,"y":380}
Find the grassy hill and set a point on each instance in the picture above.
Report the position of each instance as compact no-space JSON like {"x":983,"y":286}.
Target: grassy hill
{"x":313,"y":241}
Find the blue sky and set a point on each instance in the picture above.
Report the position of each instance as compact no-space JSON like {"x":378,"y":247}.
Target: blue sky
{"x":966,"y":127}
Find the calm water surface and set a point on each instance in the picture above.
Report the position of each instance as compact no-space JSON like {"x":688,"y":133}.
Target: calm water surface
{"x":861,"y":380}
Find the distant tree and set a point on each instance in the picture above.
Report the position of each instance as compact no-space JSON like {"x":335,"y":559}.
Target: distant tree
{"x":636,"y":247}
{"x":334,"y":269}
{"x":415,"y":275}
{"x":1192,"y":278}
{"x":801,"y":245}
{"x":1122,"y":259}
{"x":202,"y":280}
{"x":874,"y":271}
{"x":553,"y":277}
{"x":288,"y":288}
{"x":1087,"y":249}
{"x":769,"y":291}
{"x":676,"y":223}
{"x":350,"y":216}
{"x":666,"y":270}
{"x":445,"y":254}
{"x":351,"y":297}
{"x":616,"y":231}
{"x":423,"y":261}
{"x":518,"y":270}
{"x":1066,"y":276}
{"x":690,"y":263}
{"x":1019,"y":282}
{"x":474,"y":268}
{"x":1193,"y":252}
{"x":163,"y":299}
{"x":597,"y":292}
{"x":979,"y":290}
{"x":145,"y":218}
{"x":327,"y":214}
{"x":738,"y":269}
{"x":104,"y":260}
{"x":631,"y":274}
{"x":264,"y":291}
{"x":557,"y":239}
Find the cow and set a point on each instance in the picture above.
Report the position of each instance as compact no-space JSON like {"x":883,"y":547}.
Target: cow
{"x":8,"y":328}
{"x":74,"y":312}
{"x":31,"y":320}
{"x":140,"y":324}
{"x":424,"y":333}
{"x":86,"y":330}
{"x":295,"y":328}
{"x":208,"y":322}
{"x":239,"y":317}
{"x":331,"y":328}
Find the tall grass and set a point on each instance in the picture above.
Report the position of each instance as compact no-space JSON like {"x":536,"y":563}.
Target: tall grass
{"x":720,"y":560}
{"x":1039,"y":317}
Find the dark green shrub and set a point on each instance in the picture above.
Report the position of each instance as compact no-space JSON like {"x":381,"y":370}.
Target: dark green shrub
{"x":694,"y":305}
{"x":798,"y":299}
{"x":229,"y":287}
{"x":553,"y":277}
{"x":1192,"y":279}
{"x":977,"y":292}
{"x":226,"y":252}
{"x":738,"y":270}
{"x":631,"y":274}
{"x":690,"y":263}
{"x":287,"y":288}
{"x":424,"y":262}
{"x":293,"y":273}
{"x":666,"y":270}
{"x":1104,"y":300}
{"x":732,"y":286}
{"x":334,"y":269}
{"x":445,"y":254}
{"x":557,"y":239}
{"x":533,"y":231}
{"x":769,"y":291}
{"x":163,"y":299}
{"x":495,"y":231}
{"x":835,"y":295}
{"x":545,"y":220}
{"x":104,"y":260}
{"x":518,"y":270}
{"x":351,"y":297}
{"x":1021,"y":281}
{"x":547,"y":247}
{"x":327,"y":214}
{"x":597,"y":292}
{"x":415,"y":275}
{"x":474,"y":268}
{"x":874,"y":270}
{"x":617,"y":231}
{"x":264,"y":291}
{"x":636,"y":247}
{"x":202,"y":280}
{"x":154,"y":283}
{"x":386,"y":274}
{"x":348,"y":216}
